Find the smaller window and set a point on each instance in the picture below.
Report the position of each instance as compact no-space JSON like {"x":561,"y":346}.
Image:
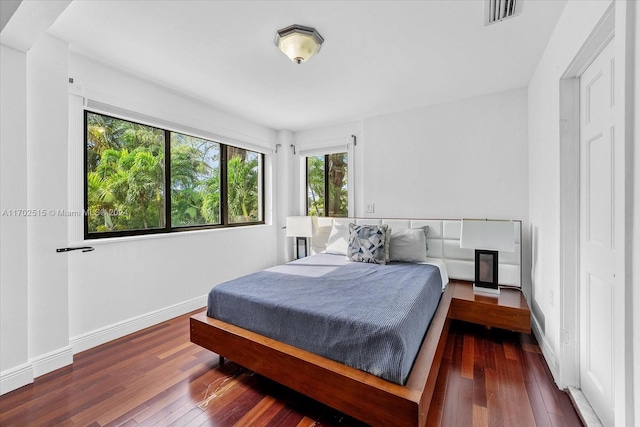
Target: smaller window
{"x":327,"y":193}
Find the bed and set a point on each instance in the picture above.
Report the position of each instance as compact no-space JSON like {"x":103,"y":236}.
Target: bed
{"x":401,"y":398}
{"x":368,"y":316}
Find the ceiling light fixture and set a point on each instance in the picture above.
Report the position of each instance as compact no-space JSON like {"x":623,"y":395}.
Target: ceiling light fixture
{"x":299,"y":43}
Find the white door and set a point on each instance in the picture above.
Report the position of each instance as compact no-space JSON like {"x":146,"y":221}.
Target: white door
{"x":597,"y":234}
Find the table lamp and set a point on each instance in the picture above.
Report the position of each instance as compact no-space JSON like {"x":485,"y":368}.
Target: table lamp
{"x":487,"y":237}
{"x":300,"y":227}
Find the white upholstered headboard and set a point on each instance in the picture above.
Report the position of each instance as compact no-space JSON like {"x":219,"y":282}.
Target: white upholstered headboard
{"x":444,"y":243}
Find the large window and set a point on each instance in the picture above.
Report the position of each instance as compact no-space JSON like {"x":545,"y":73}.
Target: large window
{"x":327,"y":185}
{"x":141,"y":179}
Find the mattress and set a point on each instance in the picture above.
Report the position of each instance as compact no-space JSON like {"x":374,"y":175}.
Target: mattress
{"x":367,"y":316}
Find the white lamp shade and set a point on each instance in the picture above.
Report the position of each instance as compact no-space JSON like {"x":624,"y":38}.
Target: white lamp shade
{"x":299,"y":226}
{"x":487,"y":234}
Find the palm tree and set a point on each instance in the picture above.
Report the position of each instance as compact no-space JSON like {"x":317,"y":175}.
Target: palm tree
{"x":125,"y":171}
{"x":193,"y":162}
{"x":242,"y":185}
{"x":145,"y":192}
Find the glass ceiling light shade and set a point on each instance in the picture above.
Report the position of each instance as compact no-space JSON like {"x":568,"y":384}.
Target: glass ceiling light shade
{"x":299,"y":43}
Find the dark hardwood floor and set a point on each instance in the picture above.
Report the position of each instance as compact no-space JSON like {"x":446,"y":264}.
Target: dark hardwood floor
{"x":156,"y":377}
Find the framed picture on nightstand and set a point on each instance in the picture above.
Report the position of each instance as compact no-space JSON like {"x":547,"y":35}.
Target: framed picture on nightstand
{"x":486,"y":271}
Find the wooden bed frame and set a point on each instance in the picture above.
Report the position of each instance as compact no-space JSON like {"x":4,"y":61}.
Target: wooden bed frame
{"x":349,"y":390}
{"x":354,"y":392}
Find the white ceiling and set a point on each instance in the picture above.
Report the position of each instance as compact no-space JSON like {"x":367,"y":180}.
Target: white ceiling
{"x":378,"y":56}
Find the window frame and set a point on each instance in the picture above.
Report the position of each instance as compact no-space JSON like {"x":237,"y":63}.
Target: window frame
{"x":168,"y":228}
{"x":325,"y":207}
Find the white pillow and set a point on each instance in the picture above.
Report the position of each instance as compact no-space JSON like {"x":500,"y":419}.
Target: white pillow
{"x":408,"y":245}
{"x":338,"y":241}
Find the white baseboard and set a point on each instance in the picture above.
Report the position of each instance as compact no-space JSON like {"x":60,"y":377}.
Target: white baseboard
{"x":22,"y":375}
{"x":14,"y":378}
{"x":547,"y":352}
{"x":51,"y":361}
{"x":583,"y":408}
{"x":108,"y":333}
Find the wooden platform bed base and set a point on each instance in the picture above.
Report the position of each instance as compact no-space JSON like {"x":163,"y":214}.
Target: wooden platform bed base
{"x":363,"y":396}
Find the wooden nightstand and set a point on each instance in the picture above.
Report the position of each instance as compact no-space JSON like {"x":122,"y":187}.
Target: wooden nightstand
{"x":507,"y":311}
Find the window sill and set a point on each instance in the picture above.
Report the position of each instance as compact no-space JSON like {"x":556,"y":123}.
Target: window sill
{"x":174,"y":235}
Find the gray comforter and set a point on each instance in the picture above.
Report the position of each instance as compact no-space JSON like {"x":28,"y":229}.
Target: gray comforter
{"x":367,"y":316}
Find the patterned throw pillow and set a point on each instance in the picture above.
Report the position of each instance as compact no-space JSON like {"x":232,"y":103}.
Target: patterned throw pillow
{"x":369,"y":243}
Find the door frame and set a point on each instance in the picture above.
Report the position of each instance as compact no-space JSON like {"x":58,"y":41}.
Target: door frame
{"x":569,"y":304}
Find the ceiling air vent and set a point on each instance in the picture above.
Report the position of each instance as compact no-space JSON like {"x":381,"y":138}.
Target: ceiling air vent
{"x":499,"y":10}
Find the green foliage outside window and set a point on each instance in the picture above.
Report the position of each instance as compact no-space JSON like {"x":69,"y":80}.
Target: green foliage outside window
{"x":126,"y":179}
{"x":195,"y":181}
{"x":327,"y":185}
{"x":243,"y":168}
{"x":315,"y":185}
{"x":125,"y":175}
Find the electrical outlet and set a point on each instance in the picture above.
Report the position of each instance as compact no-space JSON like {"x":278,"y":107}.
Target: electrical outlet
{"x":371,"y":208}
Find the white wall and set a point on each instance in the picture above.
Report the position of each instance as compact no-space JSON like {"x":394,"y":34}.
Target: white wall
{"x":284,"y":194}
{"x":65,"y":303}
{"x":146,"y":276}
{"x":575,"y":27}
{"x":47,"y":139}
{"x":14,"y":354}
{"x":146,"y":280}
{"x":635,"y":233}
{"x":462,"y":159}
{"x":465,"y":159}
